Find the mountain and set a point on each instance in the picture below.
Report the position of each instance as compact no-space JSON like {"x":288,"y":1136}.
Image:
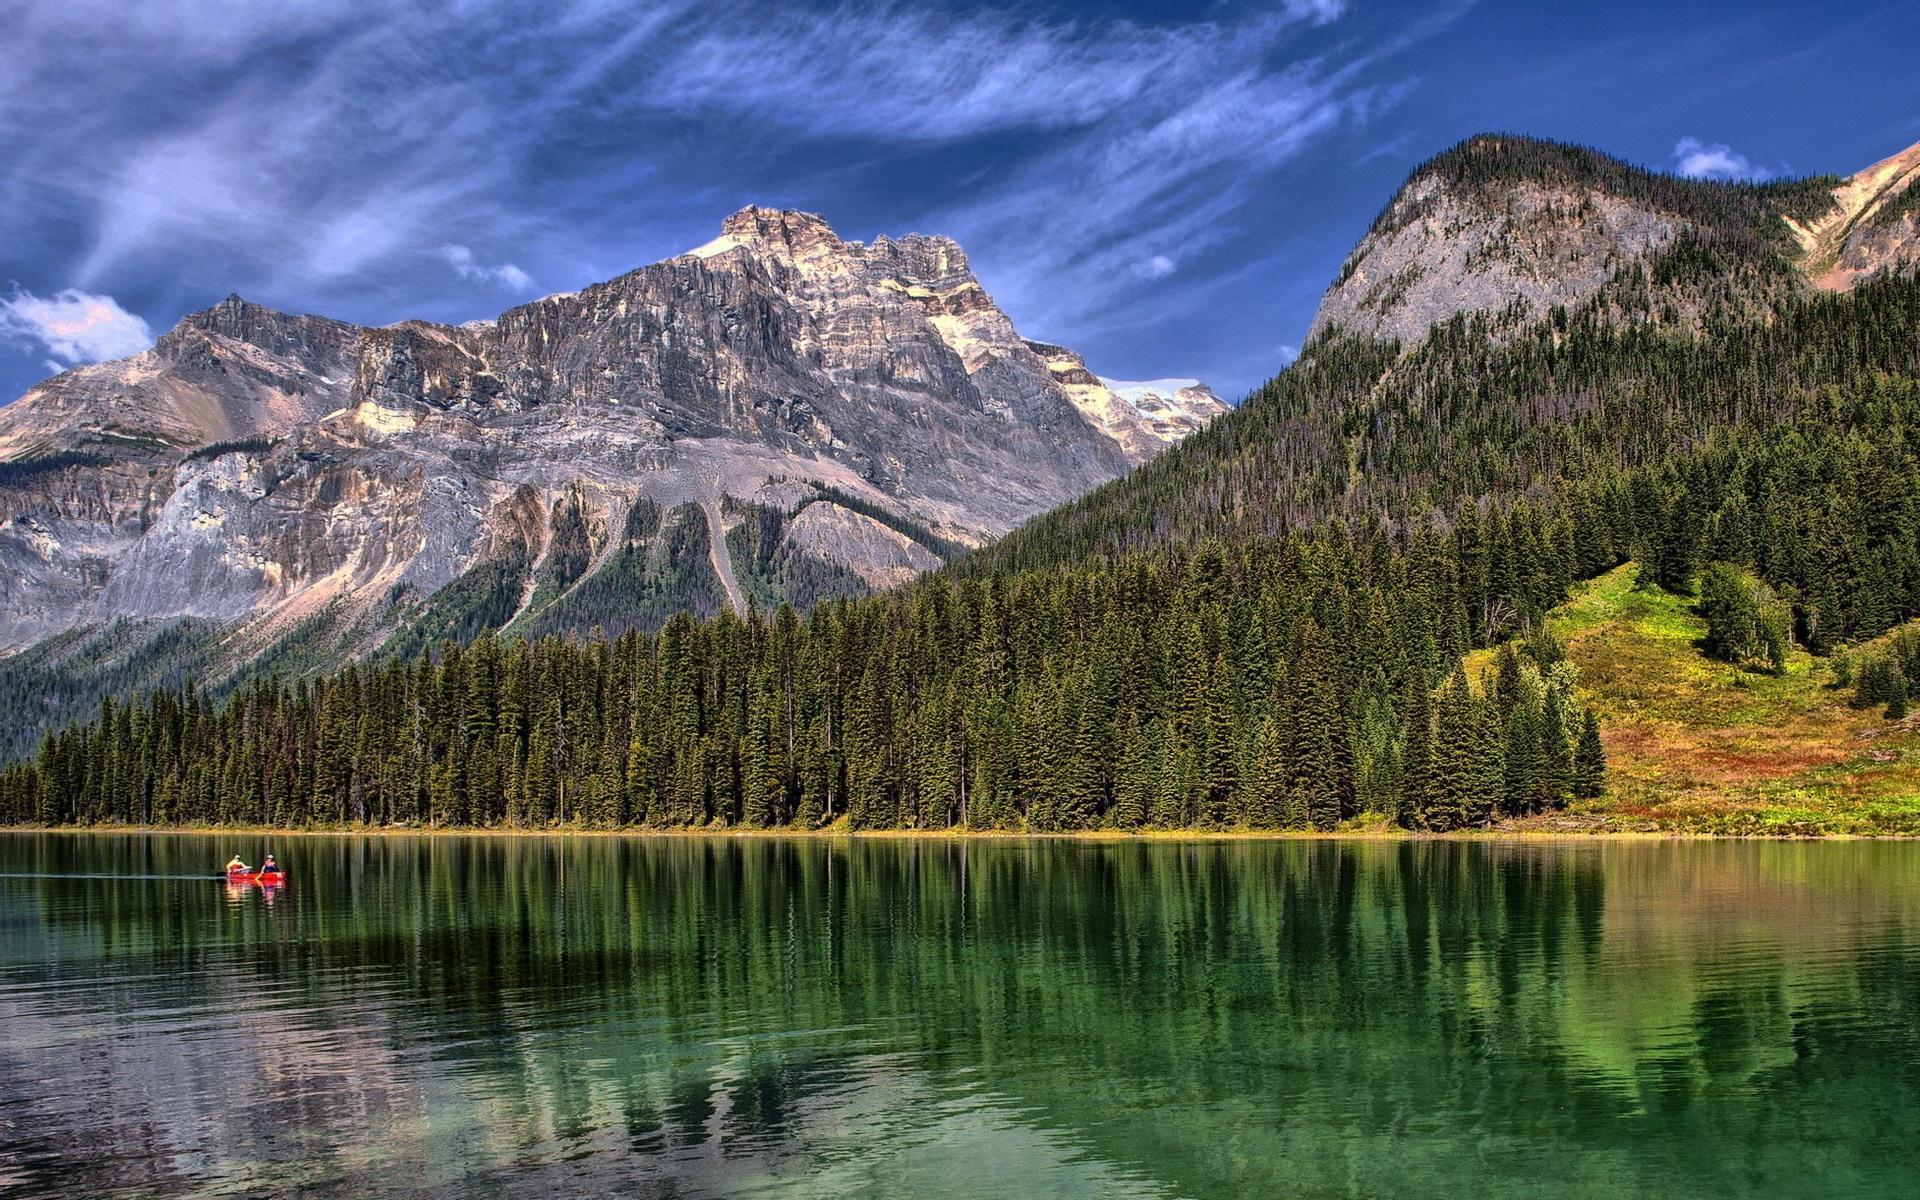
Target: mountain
{"x":1145,"y":418}
{"x":1516,"y":227}
{"x":1172,"y":408}
{"x":1401,"y":586}
{"x":776,"y":415}
{"x":234,"y":372}
{"x":1523,"y":309}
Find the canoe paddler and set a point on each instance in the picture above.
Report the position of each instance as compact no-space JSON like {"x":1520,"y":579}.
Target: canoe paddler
{"x":235,"y":866}
{"x":269,"y":867}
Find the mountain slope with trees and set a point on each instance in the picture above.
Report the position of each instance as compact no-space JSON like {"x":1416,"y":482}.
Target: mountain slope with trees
{"x":1283,"y":623}
{"x":1719,"y":326}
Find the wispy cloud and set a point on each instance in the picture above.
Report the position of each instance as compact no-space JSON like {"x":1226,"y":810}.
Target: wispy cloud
{"x":73,"y":326}
{"x":322,"y":157}
{"x":1696,"y":159}
{"x":900,"y":73}
{"x":1318,"y":11}
{"x":1126,"y":148}
{"x":311,"y":154}
{"x":1159,"y":181}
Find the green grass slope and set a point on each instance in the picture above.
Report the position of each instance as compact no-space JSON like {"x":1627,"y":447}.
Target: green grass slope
{"x":1697,"y":745}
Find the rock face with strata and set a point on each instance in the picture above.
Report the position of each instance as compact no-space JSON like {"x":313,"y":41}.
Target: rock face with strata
{"x":775,"y":409}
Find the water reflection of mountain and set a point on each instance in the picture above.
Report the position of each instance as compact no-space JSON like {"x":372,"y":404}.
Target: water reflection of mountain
{"x":717,"y":1016}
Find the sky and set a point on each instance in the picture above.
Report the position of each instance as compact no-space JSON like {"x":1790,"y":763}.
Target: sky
{"x":1165,"y":188}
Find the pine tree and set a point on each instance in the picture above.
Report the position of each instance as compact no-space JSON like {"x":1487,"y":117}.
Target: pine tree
{"x":1416,"y":757}
{"x":1589,"y":760}
{"x":1553,"y":775}
{"x":1266,"y":787}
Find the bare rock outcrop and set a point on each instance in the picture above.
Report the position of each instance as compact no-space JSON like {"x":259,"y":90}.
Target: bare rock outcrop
{"x":1873,"y":226}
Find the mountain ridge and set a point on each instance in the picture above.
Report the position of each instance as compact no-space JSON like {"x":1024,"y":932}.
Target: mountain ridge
{"x":602,"y":457}
{"x":1368,"y":424}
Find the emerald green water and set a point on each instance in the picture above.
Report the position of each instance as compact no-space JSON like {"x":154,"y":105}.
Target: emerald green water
{"x":688,"y":1017}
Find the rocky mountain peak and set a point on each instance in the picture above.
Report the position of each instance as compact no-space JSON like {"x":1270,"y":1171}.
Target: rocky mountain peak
{"x":239,"y":328}
{"x":1512,"y":227}
{"x":923,"y":257}
{"x":785,"y":235}
{"x":1498,"y":223}
{"x":779,"y":414}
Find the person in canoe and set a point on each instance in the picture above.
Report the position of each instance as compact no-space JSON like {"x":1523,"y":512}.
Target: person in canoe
{"x":269,"y":867}
{"x":235,"y":866}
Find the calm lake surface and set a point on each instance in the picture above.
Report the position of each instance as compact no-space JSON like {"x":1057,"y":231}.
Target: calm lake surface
{"x":694,"y":1017}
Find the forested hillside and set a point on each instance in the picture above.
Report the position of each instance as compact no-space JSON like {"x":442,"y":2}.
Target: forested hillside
{"x":1264,"y":628}
{"x":1298,"y":682}
{"x":1272,"y":685}
{"x":1356,"y":430}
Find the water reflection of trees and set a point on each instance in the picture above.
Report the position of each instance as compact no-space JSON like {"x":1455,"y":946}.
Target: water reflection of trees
{"x":1203,"y":1016}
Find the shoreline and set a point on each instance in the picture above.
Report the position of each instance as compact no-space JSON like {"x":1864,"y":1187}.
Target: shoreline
{"x":1092,"y":836}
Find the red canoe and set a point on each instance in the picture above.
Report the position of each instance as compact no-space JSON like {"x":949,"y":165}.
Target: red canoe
{"x":264,"y":878}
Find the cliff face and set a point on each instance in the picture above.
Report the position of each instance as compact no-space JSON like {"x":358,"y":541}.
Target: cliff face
{"x":778,"y":414}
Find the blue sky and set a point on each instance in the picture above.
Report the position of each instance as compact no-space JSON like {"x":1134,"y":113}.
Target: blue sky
{"x":1165,"y":188}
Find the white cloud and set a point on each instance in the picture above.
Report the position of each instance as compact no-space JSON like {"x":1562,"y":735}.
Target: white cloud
{"x":74,"y":326}
{"x":1157,"y":267}
{"x":467,"y":267}
{"x":1696,"y":159}
{"x":1318,"y":11}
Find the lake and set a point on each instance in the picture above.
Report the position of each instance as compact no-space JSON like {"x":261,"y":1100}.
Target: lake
{"x":686,"y":1017}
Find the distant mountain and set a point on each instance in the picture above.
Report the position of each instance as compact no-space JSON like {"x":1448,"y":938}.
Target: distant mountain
{"x":1520,"y":310}
{"x":776,"y":415}
{"x":1173,"y":408}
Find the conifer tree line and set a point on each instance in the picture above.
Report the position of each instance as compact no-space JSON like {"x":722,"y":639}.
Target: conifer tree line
{"x":1662,"y":360}
{"x":1297,"y":683}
